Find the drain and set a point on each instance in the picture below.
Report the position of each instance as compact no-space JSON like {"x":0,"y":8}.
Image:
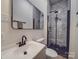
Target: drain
{"x":25,"y":52}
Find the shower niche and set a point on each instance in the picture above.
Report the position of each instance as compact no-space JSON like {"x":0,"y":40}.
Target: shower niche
{"x":58,"y":26}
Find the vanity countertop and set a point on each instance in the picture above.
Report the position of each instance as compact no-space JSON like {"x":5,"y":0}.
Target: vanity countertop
{"x":32,"y":48}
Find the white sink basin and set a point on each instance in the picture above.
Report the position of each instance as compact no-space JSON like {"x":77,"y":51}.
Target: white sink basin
{"x":32,"y":48}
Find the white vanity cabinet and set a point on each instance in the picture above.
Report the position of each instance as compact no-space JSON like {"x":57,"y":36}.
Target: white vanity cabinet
{"x":41,"y":54}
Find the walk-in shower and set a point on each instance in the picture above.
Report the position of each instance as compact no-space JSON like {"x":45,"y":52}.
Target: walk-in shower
{"x":56,"y":20}
{"x":58,"y":26}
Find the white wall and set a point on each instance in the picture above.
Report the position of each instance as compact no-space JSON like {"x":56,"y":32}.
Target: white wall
{"x":10,"y":36}
{"x":73,"y":30}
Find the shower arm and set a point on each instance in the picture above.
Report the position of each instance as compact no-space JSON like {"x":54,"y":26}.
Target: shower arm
{"x":55,"y":11}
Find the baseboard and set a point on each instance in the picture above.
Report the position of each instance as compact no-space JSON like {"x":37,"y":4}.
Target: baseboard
{"x":71,"y":55}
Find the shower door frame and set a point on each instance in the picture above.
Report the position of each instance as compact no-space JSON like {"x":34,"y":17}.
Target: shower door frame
{"x":68,"y":32}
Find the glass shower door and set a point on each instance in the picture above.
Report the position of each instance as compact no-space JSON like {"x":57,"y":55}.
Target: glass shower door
{"x":58,"y":34}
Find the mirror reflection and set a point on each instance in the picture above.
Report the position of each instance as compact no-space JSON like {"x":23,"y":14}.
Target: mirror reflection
{"x":25,"y":15}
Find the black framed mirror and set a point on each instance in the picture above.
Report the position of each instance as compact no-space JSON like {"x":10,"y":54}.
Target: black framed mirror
{"x":26,"y":16}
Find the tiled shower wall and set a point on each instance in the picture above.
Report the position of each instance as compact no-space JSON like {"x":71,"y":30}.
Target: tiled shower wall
{"x":62,"y":8}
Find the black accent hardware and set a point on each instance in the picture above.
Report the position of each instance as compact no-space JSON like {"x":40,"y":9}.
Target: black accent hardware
{"x":24,"y":39}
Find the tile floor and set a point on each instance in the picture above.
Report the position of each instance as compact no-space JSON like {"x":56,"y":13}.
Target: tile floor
{"x":60,"y":57}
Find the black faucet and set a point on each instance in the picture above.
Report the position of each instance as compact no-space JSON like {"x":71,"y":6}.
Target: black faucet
{"x":24,"y":39}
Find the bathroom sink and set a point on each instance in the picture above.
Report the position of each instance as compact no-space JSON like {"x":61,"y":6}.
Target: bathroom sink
{"x":28,"y":51}
{"x":22,"y":49}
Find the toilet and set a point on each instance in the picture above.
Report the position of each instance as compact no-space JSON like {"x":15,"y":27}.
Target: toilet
{"x":50,"y":53}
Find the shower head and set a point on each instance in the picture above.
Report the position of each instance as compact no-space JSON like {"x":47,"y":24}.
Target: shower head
{"x":55,"y":11}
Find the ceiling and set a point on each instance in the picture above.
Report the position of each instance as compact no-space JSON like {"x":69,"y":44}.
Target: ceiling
{"x":54,"y":1}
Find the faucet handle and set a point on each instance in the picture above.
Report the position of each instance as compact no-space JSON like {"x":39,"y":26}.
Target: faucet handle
{"x":18,"y":43}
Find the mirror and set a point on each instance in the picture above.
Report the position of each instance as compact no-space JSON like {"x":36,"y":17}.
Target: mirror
{"x":25,"y":15}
